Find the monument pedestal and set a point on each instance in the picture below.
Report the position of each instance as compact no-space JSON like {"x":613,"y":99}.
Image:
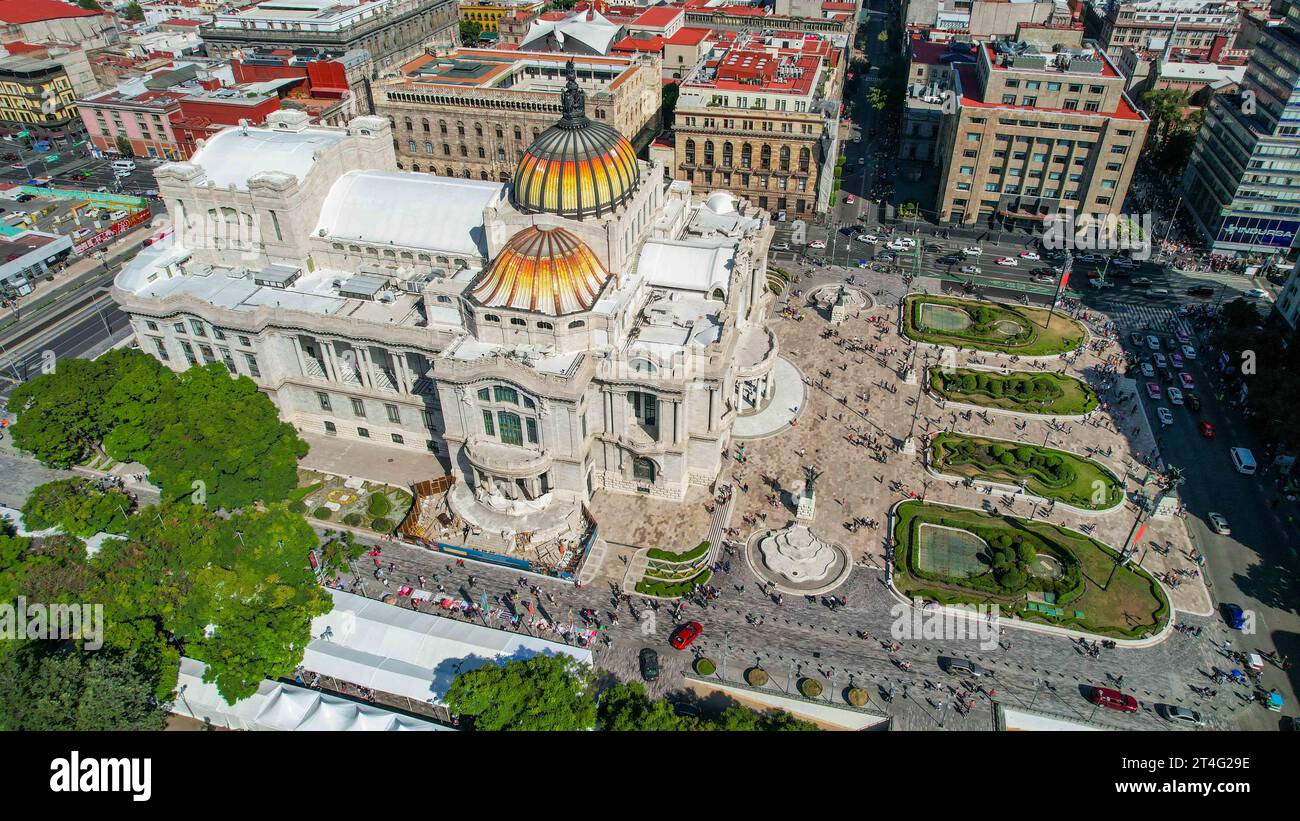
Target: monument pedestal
{"x":908,"y":447}
{"x":807,"y":505}
{"x":909,"y":376}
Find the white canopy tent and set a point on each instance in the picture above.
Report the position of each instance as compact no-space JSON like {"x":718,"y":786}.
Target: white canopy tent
{"x":408,"y":653}
{"x":278,"y":706}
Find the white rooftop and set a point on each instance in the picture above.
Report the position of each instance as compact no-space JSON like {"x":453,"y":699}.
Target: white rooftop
{"x":236,"y":155}
{"x":442,"y":214}
{"x":695,"y":265}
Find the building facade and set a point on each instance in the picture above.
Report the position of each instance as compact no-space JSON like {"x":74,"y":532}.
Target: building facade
{"x":473,"y":112}
{"x":488,"y":14}
{"x":1035,"y":134}
{"x":585,"y":327}
{"x":1242,"y":184}
{"x":758,"y":117}
{"x":37,"y":95}
{"x":1189,"y":26}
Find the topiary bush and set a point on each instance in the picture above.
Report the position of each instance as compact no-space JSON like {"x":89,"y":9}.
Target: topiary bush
{"x":705,"y":666}
{"x":381,"y":525}
{"x":298,"y":506}
{"x":857,"y":697}
{"x":810,"y":687}
{"x":756,"y":676}
{"x":323,"y":513}
{"x":353,"y":519}
{"x":379,"y":505}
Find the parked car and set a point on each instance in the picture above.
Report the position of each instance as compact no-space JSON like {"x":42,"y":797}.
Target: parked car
{"x":1088,"y":258}
{"x":886,"y":256}
{"x":817,"y":245}
{"x":1182,"y":715}
{"x":1153,"y":342}
{"x":1148,"y":371}
{"x":649,"y":664}
{"x":906,"y":242}
{"x":1207,"y":430}
{"x":1166,"y":415}
{"x":1175,"y":395}
{"x":1123,"y":262}
{"x":970,"y":269}
{"x":1218,"y":523}
{"x":963,"y":667}
{"x":1234,"y":616}
{"x":1135,"y":339}
{"x":849,"y":199}
{"x":1114,"y":699}
{"x":1176,"y":360}
{"x":686,"y":634}
{"x":1153,"y":390}
{"x":1141,"y":282}
{"x":1256,"y":293}
{"x":870,"y":239}
{"x":1189,"y":351}
{"x":1193,"y":401}
{"x":1186,"y":380}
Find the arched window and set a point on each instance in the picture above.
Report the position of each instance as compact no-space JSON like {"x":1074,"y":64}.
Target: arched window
{"x":491,"y":318}
{"x":519,"y":135}
{"x":482,"y":175}
{"x":428,"y":147}
{"x":451,"y":172}
{"x":717,"y":294}
{"x":785,"y":158}
{"x":577,"y":323}
{"x":746,"y":156}
{"x":643,"y":469}
{"x":446,"y":150}
{"x":708,"y":152}
{"x":482,"y":155}
{"x":410,"y":146}
{"x":500,"y":134}
{"x":765,"y":157}
{"x":415,"y":167}
{"x":726,"y":154}
{"x":407,"y":122}
{"x":442,"y":126}
{"x":424,"y":124}
{"x":805,"y":157}
{"x":514,"y":320}
{"x":464,"y":152}
{"x":509,"y":427}
{"x":545,"y":326}
{"x":690,"y":152}
{"x":460,"y":128}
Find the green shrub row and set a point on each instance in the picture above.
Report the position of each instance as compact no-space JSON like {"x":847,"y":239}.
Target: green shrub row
{"x":694,"y":554}
{"x":672,"y":590}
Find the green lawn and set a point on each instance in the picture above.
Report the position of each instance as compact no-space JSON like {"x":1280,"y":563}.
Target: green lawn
{"x":1132,"y":606}
{"x":991,"y":326}
{"x":1021,"y":391}
{"x":1047,"y":472}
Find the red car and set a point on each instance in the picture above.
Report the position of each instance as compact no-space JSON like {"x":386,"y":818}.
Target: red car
{"x":686,"y":634}
{"x":1207,"y":430}
{"x":1114,"y":699}
{"x":1153,"y":390}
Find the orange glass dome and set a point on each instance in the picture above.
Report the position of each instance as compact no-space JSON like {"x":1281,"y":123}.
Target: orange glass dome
{"x":576,"y":168}
{"x":544,"y":269}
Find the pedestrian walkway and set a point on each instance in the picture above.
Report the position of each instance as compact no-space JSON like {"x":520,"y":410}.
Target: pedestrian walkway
{"x":784,"y":407}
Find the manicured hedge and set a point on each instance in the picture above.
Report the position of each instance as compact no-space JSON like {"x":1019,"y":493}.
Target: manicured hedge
{"x":672,"y":590}
{"x":379,"y":505}
{"x":698,"y":552}
{"x":323,"y":513}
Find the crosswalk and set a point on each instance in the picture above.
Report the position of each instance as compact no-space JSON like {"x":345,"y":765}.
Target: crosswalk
{"x":1133,"y":316}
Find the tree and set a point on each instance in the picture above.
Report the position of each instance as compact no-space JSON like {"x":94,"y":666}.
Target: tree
{"x":77,"y":507}
{"x":540,"y":693}
{"x":124,"y":146}
{"x":739,"y":718}
{"x":89,"y":5}
{"x":668,"y":103}
{"x":470,"y":31}
{"x":47,"y":685}
{"x":133,"y":11}
{"x":626,"y":707}
{"x":61,"y":413}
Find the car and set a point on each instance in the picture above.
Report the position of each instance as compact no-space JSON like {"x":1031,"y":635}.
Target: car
{"x":1189,"y":351}
{"x":896,"y":245}
{"x":970,"y":269}
{"x":849,"y":199}
{"x":817,"y":245}
{"x":1207,"y":430}
{"x":1101,"y":283}
{"x":1089,"y":258}
{"x":1175,"y":395}
{"x":1030,"y":255}
{"x":117,"y":215}
{"x":1123,"y":262}
{"x":649,"y":664}
{"x":1043,"y":279}
{"x":1256,"y":293}
{"x":1148,"y":371}
{"x":886,"y":256}
{"x":686,"y":634}
{"x":1218,"y":523}
{"x":780,"y":246}
{"x":948,"y":259}
{"x":1185,"y":379}
{"x":1176,"y":360}
{"x":862,"y":160}
{"x":963,"y":667}
{"x":1166,"y":415}
{"x":1141,"y":282}
{"x":1114,"y":699}
{"x":906,"y":242}
{"x":1153,"y":342}
{"x":972,"y":251}
{"x":1181,"y":715}
{"x":870,"y":239}
{"x":1161,"y":362}
{"x":933,"y":249}
{"x":1011,"y":261}
{"x":1234,"y":616}
{"x":1201,"y":290}
{"x":1153,"y":390}
{"x":1135,"y":339}
{"x":1158,"y":293}
{"x":1193,"y":401}
{"x":1181,"y":336}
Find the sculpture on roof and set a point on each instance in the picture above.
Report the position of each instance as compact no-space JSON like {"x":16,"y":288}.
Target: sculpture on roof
{"x":573,"y":101}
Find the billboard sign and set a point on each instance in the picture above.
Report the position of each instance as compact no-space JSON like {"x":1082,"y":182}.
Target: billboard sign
{"x":116,"y":229}
{"x":1266,"y":231}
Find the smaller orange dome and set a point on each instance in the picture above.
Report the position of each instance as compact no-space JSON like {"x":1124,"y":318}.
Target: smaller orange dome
{"x":544,"y":269}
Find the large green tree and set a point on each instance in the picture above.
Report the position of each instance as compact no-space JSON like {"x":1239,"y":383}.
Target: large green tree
{"x":49,"y":685}
{"x":627,"y":707}
{"x":668,"y":103}
{"x":78,"y":507}
{"x":540,"y":693}
{"x":470,"y":31}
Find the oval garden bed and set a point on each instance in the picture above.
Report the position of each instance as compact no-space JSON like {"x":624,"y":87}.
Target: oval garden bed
{"x":1034,"y":569}
{"x":989,"y":326}
{"x":1021,"y":391}
{"x":1052,"y":474}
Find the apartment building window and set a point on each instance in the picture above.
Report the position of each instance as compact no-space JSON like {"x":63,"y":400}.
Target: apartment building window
{"x":331,"y":429}
{"x":227,"y":359}
{"x":1076,"y":177}
{"x":1071,"y":105}
{"x":1000,"y":154}
{"x":970,"y":153}
{"x":1031,"y":101}
{"x":1074,"y":89}
{"x":1053,"y":86}
{"x":410,"y":146}
{"x":1091,"y":105}
{"x":1040,"y":157}
{"x":358,"y":408}
{"x":967,"y":169}
{"x":1113,"y":166}
{"x":161,"y":348}
{"x":251,"y":361}
{"x":364,"y":433}
{"x":963,"y":186}
{"x":690,"y":152}
{"x":1108,"y":184}
{"x":1008,"y":99}
{"x":1055,"y":175}
{"x":324,"y":399}
{"x":197,"y":327}
{"x":1096,"y":90}
{"x":990,"y":187}
{"x":208,"y":356}
{"x":972,"y":138}
{"x":1013,"y":84}
{"x":394,"y":415}
{"x":189,"y":353}
{"x":243,"y":340}
{"x":151,"y":325}
{"x":397,"y":439}
{"x":1103,"y":200}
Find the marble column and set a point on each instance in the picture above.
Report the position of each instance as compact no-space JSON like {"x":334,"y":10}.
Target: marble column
{"x":297,"y":349}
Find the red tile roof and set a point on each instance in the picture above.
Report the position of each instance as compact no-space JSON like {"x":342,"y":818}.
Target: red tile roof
{"x":23,"y":48}
{"x":651,"y":45}
{"x":35,"y":11}
{"x":689,"y":36}
{"x":658,"y":17}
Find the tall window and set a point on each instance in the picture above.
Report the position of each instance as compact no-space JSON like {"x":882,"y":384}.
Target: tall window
{"x":645,"y":406}
{"x":643,"y":469}
{"x":511,"y":432}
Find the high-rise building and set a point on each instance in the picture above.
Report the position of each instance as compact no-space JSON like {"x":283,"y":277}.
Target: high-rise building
{"x":1036,"y":133}
{"x":1242,"y":184}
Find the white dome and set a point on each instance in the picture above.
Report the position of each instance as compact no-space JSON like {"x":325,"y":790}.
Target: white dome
{"x":721,"y":202}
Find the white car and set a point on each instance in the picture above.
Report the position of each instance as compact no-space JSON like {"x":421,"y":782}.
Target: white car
{"x":1148,"y":371}
{"x":1029,"y":255}
{"x":970,"y":269}
{"x":907,"y":242}
{"x":1189,"y":352}
{"x":817,"y":245}
{"x":1161,"y":362}
{"x":117,"y":215}
{"x":1153,"y":342}
{"x":1218,"y":523}
{"x":1012,"y":261}
{"x":780,"y":246}
{"x":870,"y":239}
{"x":973,"y":251}
{"x":1257,"y":293}
{"x":1166,"y":415}
{"x":895,"y":245}
{"x":1175,"y":396}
